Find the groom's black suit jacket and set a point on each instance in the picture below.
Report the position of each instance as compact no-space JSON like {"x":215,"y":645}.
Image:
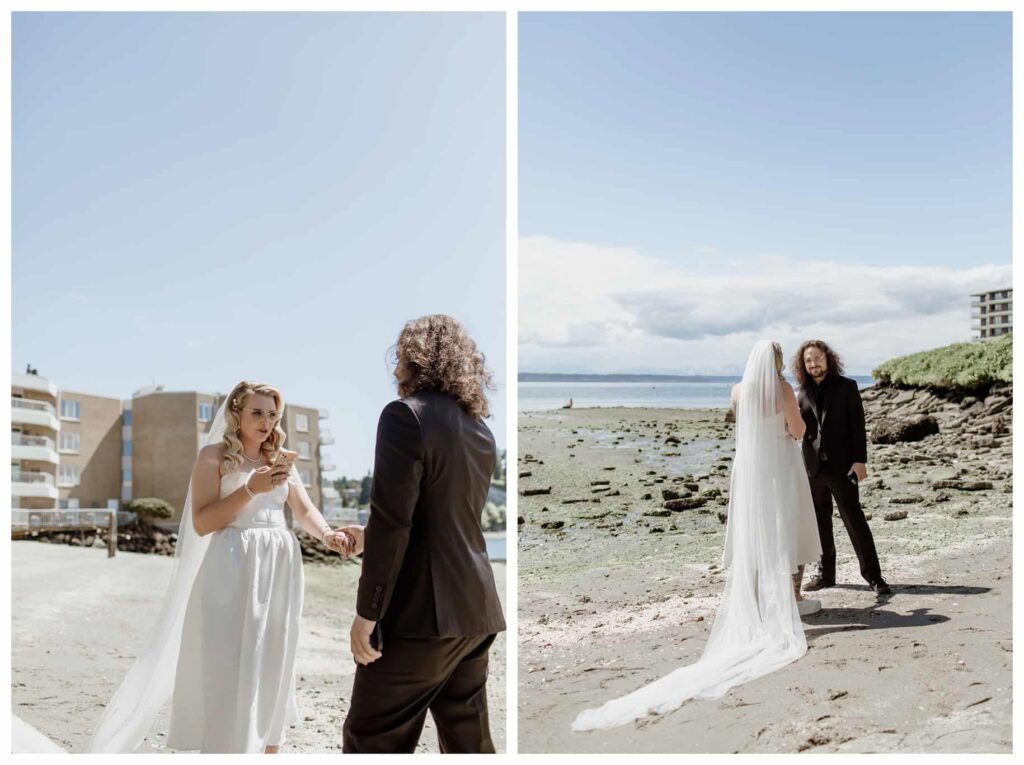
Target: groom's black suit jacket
{"x":425,"y":567}
{"x":843,"y":436}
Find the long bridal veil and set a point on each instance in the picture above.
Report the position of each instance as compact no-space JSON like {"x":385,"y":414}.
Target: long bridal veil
{"x":150,"y":681}
{"x":757,"y":628}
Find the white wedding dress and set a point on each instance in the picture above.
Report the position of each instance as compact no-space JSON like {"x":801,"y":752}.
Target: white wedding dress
{"x":771,"y":530}
{"x":235,"y":685}
{"x":222,"y":649}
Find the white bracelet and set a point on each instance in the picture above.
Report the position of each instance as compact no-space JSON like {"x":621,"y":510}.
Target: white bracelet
{"x":250,"y":492}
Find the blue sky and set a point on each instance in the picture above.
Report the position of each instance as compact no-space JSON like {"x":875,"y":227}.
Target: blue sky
{"x":745,"y":163}
{"x":202,"y":198}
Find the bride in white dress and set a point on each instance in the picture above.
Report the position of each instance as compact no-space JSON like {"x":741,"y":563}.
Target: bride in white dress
{"x":771,"y":531}
{"x":225,"y":641}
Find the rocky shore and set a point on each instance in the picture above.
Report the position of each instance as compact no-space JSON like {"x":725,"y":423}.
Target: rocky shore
{"x":621,"y":530}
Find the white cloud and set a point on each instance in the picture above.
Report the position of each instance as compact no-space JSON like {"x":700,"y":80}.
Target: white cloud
{"x":584,"y":307}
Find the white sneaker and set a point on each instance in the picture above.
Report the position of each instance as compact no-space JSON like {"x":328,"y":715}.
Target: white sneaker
{"x":808,"y":606}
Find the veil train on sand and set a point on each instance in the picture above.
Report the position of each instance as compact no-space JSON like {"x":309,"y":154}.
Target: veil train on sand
{"x":757,"y":628}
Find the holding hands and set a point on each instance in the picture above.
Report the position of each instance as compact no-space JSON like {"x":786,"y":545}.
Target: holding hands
{"x":347,"y":541}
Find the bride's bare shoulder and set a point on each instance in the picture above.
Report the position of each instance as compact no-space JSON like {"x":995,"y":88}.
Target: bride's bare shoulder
{"x":211,"y":453}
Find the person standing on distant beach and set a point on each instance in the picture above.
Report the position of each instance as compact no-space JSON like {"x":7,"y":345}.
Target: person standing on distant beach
{"x":835,"y":454}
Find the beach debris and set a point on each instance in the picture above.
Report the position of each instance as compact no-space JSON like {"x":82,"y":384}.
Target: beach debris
{"x":895,"y":515}
{"x":535,"y":492}
{"x":906,"y":499}
{"x":956,"y":483}
{"x":552,"y":525}
{"x":892,"y":430}
{"x":525,"y":473}
{"x":600,"y":483}
{"x":686,"y":503}
{"x":667,"y":494}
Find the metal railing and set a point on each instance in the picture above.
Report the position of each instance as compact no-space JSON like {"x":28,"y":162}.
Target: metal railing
{"x":19,"y":439}
{"x":39,"y":406}
{"x":26,"y":521}
{"x":21,"y":476}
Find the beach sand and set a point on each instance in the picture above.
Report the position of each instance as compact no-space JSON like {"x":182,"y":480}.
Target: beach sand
{"x":79,"y":617}
{"x":612,"y":598}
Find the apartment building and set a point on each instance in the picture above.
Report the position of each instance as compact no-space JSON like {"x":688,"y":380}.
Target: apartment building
{"x":992,"y":313}
{"x":34,"y":433}
{"x":89,"y":447}
{"x":72,"y":449}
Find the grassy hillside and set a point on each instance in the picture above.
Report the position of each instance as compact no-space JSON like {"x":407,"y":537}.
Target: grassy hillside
{"x":961,"y":366}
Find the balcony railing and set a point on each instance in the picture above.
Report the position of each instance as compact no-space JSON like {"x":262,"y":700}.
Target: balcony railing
{"x":327,"y":466}
{"x":326,"y":437}
{"x":19,"y":439}
{"x":21,"y":476}
{"x":323,"y":414}
{"x":38,"y":406}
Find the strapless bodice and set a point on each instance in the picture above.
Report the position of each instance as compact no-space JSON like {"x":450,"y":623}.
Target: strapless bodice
{"x":263,"y":510}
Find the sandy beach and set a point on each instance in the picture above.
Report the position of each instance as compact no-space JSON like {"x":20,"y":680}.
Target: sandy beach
{"x":79,"y":617}
{"x":616,"y":591}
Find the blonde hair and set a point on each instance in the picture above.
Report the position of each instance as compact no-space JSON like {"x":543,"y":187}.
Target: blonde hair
{"x":780,"y":362}
{"x":232,"y":424}
{"x":436,"y":353}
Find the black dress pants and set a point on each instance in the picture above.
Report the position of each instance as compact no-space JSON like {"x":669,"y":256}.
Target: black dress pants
{"x":391,"y":696}
{"x":825,"y":486}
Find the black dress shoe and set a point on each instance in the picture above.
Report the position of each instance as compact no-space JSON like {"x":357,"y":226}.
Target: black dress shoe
{"x":819,"y":583}
{"x":881,"y":588}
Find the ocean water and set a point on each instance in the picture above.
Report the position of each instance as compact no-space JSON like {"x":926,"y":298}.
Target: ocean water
{"x":495,"y":546}
{"x":545,"y":396}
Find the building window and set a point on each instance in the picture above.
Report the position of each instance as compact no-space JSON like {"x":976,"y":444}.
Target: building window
{"x":126,"y":449}
{"x":70,"y":410}
{"x":306,"y":476}
{"x":205,"y":412}
{"x":302,"y":423}
{"x":127,"y":418}
{"x":70,"y":442}
{"x":304,"y":449}
{"x":67,"y":475}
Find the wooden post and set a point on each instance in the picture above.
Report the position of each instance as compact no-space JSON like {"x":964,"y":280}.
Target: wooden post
{"x":112,"y":541}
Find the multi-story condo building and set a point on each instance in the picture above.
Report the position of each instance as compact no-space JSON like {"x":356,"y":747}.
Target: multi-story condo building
{"x":992,"y":313}
{"x":89,"y":447}
{"x":34,"y":433}
{"x":73,"y":449}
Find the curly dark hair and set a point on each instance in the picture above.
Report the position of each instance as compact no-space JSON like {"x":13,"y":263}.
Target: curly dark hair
{"x":436,"y":353}
{"x":835,"y":364}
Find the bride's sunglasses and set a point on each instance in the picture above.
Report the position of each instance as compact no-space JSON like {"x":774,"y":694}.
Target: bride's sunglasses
{"x":259,"y":414}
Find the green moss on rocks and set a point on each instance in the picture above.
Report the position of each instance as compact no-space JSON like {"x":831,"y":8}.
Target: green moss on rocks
{"x":961,"y":366}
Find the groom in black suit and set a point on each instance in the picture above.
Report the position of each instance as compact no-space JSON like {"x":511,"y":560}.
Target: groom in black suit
{"x":427,"y":607}
{"x":835,"y":454}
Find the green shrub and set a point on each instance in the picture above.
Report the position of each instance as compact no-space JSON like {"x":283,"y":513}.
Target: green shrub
{"x":961,"y":366}
{"x":151,"y":508}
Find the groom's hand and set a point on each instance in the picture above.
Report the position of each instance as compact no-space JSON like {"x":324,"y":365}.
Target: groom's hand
{"x":359,"y":637}
{"x":860,"y":470}
{"x":356,"y":532}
